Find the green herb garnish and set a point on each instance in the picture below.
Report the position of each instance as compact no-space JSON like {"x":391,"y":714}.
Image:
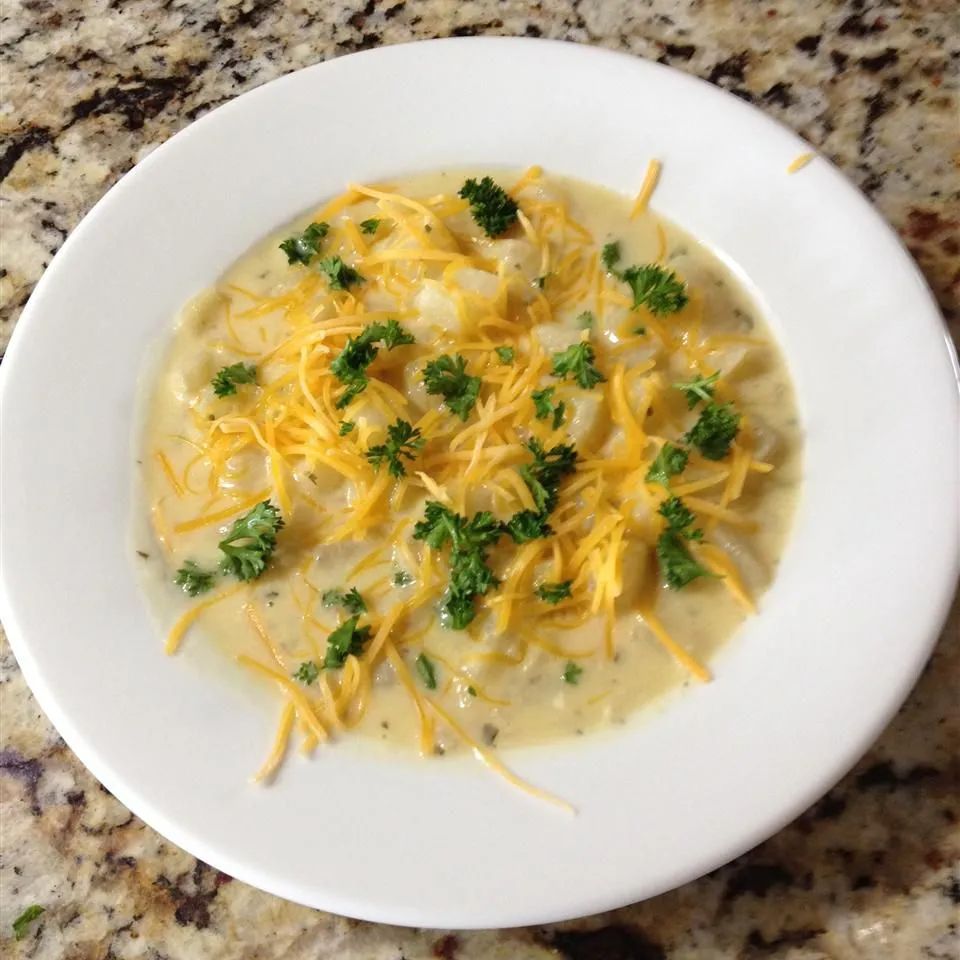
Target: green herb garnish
{"x":307,"y":672}
{"x":554,"y":592}
{"x":493,"y":209}
{"x":610,"y":256}
{"x":577,"y":361}
{"x":403,"y":441}
{"x":402,"y":579}
{"x":661,"y":291}
{"x":677,"y":564}
{"x":22,"y":922}
{"x":370,"y":226}
{"x":506,"y":354}
{"x":427,"y":671}
{"x":447,"y":377}
{"x":527,"y":525}
{"x":340,"y":276}
{"x":350,"y":365}
{"x":542,"y":478}
{"x":549,"y":467}
{"x":468,"y":539}
{"x":586,"y":320}
{"x":571,"y":673}
{"x":225,"y":382}
{"x":250,"y":542}
{"x":347,"y":639}
{"x":193,"y":580}
{"x":346,"y":426}
{"x":393,"y":334}
{"x":715,"y":430}
{"x":546,"y":408}
{"x":669,"y":461}
{"x":303,"y":247}
{"x":697,"y":389}
{"x":351,"y":601}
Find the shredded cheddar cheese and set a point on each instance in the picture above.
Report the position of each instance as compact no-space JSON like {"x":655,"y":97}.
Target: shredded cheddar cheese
{"x":304,"y":438}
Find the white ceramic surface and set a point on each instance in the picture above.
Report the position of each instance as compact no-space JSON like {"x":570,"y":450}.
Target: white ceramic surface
{"x":799,"y":694}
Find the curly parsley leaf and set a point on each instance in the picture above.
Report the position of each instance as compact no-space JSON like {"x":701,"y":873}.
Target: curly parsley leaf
{"x":697,"y":389}
{"x":392,"y":334}
{"x":303,"y":247}
{"x":402,"y":579}
{"x":427,"y":671}
{"x":307,"y":672}
{"x":714,"y":430}
{"x":677,"y":564}
{"x":447,"y":377}
{"x":577,"y":361}
{"x":549,"y":467}
{"x":403,"y":441}
{"x":506,"y":355}
{"x":370,"y":226}
{"x":346,"y":426}
{"x":250,"y":542}
{"x":193,"y":580}
{"x":350,"y":365}
{"x":22,"y":923}
{"x":493,"y":209}
{"x":610,"y":256}
{"x":351,"y":601}
{"x":225,"y":382}
{"x":571,"y":673}
{"x":554,"y":592}
{"x":347,"y":639}
{"x":669,"y":461}
{"x":527,"y":525}
{"x":470,"y":576}
{"x":680,"y":518}
{"x":660,"y":290}
{"x":340,"y":276}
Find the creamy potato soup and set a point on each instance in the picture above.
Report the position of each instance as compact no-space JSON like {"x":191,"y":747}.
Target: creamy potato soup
{"x":472,"y":458}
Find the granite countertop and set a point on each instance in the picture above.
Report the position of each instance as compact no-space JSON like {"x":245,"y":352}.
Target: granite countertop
{"x":89,"y":88}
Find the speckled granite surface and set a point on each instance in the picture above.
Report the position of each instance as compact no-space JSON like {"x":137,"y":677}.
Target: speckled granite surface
{"x":88,"y":88}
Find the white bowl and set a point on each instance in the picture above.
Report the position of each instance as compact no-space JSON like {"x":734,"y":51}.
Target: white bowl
{"x":799,"y":694}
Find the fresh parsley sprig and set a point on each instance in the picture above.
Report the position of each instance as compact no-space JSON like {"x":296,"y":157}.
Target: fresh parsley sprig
{"x":340,"y":276}
{"x":697,"y":389}
{"x":193,"y":580}
{"x":577,"y":362}
{"x":542,"y":478}
{"x":303,"y":247}
{"x":350,"y":600}
{"x":677,"y":565}
{"x":447,"y":377}
{"x":250,"y":542}
{"x":347,"y":639}
{"x":493,"y":209}
{"x":669,"y":461}
{"x":546,"y":408}
{"x":350,"y":365}
{"x":227,"y":378}
{"x":403,"y":441}
{"x":715,"y":430}
{"x":468,"y":539}
{"x":658,"y":289}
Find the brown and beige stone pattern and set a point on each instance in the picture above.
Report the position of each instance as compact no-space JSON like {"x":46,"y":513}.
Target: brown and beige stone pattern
{"x":89,"y":87}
